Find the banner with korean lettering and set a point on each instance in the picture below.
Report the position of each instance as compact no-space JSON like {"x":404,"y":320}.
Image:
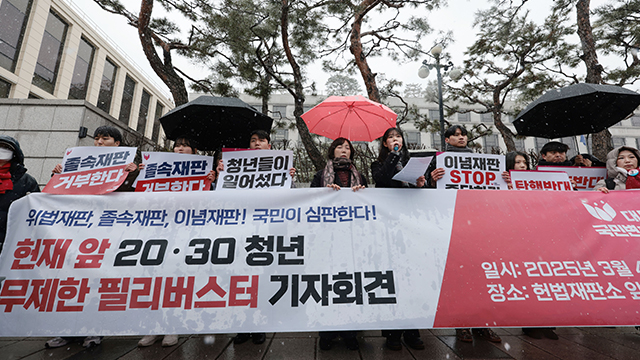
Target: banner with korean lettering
{"x":542,"y":258}
{"x":471,"y":171}
{"x":90,"y":170}
{"x":586,"y":178}
{"x":540,"y":180}
{"x":224,"y":262}
{"x":164,"y":171}
{"x":255,"y":169}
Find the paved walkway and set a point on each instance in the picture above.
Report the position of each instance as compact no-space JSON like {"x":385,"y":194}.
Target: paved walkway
{"x":574,"y":343}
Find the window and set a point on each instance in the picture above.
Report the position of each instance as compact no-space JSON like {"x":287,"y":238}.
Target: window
{"x":466,"y":117}
{"x":156,"y":124}
{"x":434,"y":114}
{"x":519,"y":144}
{"x":280,"y":136}
{"x":618,"y":141}
{"x":81,"y":71}
{"x":635,"y":120}
{"x":413,"y":139}
{"x":280,"y":111}
{"x":106,"y":85}
{"x":540,"y":143}
{"x":5,"y":89}
{"x":619,"y":123}
{"x":573,"y":145}
{"x":436,"y":141}
{"x":127,"y":99}
{"x":490,"y":143}
{"x":144,"y":111}
{"x":486,"y":118}
{"x":50,"y":53}
{"x":13,"y":23}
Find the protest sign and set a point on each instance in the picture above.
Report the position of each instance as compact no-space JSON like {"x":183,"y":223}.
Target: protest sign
{"x":586,"y":178}
{"x":471,"y":171}
{"x":90,"y":170}
{"x":165,"y":171}
{"x":540,"y":180}
{"x":255,"y":169}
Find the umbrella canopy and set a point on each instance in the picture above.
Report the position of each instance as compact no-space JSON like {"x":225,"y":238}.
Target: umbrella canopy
{"x":575,"y":110}
{"x":214,"y":122}
{"x":353,"y":117}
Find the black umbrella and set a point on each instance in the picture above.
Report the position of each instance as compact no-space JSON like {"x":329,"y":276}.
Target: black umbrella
{"x":215,"y":122}
{"x":575,"y":110}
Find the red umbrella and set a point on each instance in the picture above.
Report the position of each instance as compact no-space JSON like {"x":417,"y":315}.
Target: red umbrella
{"x":353,"y":117}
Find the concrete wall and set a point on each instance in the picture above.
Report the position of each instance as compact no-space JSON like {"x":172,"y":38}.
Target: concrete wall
{"x":46,"y":128}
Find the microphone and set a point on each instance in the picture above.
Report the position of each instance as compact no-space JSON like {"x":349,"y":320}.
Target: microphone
{"x":395,"y":148}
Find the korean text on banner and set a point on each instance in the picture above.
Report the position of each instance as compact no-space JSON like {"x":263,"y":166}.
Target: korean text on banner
{"x":221,"y":262}
{"x":586,"y":178}
{"x":549,"y":258}
{"x":540,"y":180}
{"x":174,"y":172}
{"x":471,"y":171}
{"x":90,"y":170}
{"x":255,"y":169}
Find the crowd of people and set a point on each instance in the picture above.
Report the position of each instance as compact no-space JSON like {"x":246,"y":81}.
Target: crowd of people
{"x":340,"y":172}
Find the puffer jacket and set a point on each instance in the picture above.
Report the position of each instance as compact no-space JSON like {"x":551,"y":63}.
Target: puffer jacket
{"x":23,"y":183}
{"x":618,"y":175}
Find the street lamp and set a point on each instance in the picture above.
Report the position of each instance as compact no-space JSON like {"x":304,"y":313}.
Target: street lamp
{"x":454,"y":74}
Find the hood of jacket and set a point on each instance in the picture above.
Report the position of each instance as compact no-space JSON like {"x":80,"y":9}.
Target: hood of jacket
{"x":612,"y":159}
{"x":17,"y":162}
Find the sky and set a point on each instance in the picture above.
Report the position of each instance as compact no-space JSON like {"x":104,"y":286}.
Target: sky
{"x":457,"y":17}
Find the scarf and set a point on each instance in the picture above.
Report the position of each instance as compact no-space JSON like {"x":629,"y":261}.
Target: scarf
{"x":5,"y":178}
{"x":452,"y":148}
{"x":339,"y":164}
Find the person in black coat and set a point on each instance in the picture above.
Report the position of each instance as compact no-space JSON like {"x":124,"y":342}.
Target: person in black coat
{"x":393,"y":156}
{"x":14,"y":180}
{"x":339,"y":172}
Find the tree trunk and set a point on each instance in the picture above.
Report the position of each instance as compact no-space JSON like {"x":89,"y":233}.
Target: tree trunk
{"x":303,"y":131}
{"x":164,"y":70}
{"x":602,"y":140}
{"x":356,"y":49}
{"x":506,"y":133}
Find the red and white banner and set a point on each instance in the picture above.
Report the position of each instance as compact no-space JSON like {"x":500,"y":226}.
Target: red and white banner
{"x":317,"y":259}
{"x":165,"y":171}
{"x":586,"y":178}
{"x":540,"y":180}
{"x":91,"y":170}
{"x":471,"y":171}
{"x":255,"y":169}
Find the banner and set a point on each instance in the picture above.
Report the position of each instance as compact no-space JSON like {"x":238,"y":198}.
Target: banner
{"x":318,"y":259}
{"x":586,"y":178}
{"x":89,"y":170}
{"x":471,"y":171}
{"x":224,"y":262}
{"x":164,"y":171}
{"x":256,"y":169}
{"x":540,"y":180}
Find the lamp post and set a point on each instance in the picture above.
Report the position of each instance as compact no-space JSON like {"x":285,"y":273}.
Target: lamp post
{"x":454,"y":74}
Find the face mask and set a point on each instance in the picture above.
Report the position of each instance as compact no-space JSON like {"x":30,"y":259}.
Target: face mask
{"x":6,"y":154}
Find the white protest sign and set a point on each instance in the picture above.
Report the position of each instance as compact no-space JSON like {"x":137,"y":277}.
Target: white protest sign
{"x":255,"y":169}
{"x":415,"y":168}
{"x":586,"y":178}
{"x":540,"y":180}
{"x":164,"y":171}
{"x":471,"y":171}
